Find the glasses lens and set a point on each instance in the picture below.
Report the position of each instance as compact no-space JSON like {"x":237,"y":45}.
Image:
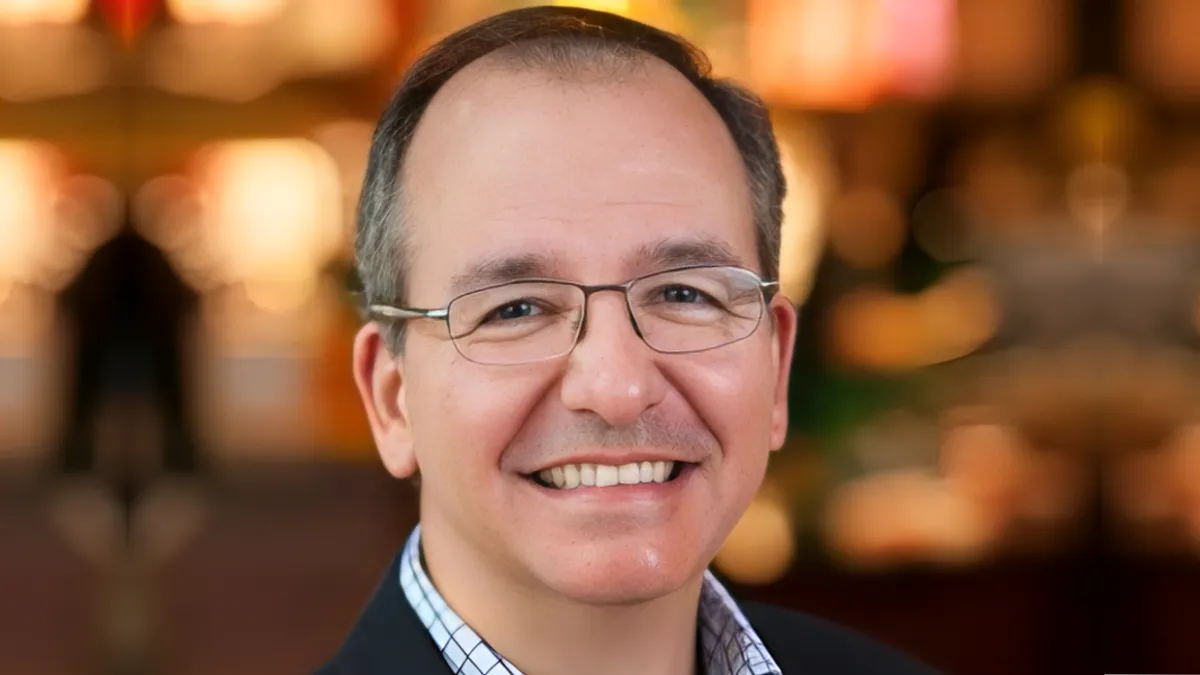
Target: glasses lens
{"x":516,"y":323}
{"x":697,"y":309}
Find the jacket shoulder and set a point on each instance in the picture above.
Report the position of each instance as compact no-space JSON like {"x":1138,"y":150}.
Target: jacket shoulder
{"x":388,"y":637}
{"x":801,"y":643}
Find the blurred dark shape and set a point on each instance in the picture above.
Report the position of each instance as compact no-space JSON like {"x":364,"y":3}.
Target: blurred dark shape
{"x":127,"y":312}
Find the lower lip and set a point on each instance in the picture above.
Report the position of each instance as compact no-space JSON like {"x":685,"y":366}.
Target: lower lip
{"x":620,"y":493}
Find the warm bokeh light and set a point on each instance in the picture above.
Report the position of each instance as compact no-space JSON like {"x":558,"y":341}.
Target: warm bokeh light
{"x":959,"y":314}
{"x":236,"y":12}
{"x":874,"y":329}
{"x":802,"y":236}
{"x":1183,"y":466}
{"x":332,"y":37}
{"x":87,"y":211}
{"x":919,"y":44}
{"x":1001,"y":182}
{"x":28,"y":172}
{"x":234,"y":62}
{"x":614,"y":6}
{"x":1101,"y":120}
{"x":272,"y":211}
{"x":1097,"y":196}
{"x":985,"y":462}
{"x":1163,"y":47}
{"x":42,"y":11}
{"x":348,"y":142}
{"x":903,"y":517}
{"x":50,"y":221}
{"x":866,"y":227}
{"x":168,"y":211}
{"x":819,"y":53}
{"x":221,"y":62}
{"x":878,"y":330}
{"x":1011,"y":50}
{"x":762,"y":545}
{"x":845,"y":54}
{"x":40,"y":62}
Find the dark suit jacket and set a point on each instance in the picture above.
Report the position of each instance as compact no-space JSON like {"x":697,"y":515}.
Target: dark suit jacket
{"x":389,"y":639}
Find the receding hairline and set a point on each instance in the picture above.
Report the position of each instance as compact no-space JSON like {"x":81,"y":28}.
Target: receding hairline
{"x":565,"y":44}
{"x":525,"y":59}
{"x":559,"y":60}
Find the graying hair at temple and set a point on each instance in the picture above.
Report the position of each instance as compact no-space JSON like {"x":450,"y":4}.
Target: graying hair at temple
{"x":564,"y":42}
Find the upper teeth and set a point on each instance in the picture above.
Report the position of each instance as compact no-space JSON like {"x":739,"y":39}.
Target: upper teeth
{"x":570,"y":476}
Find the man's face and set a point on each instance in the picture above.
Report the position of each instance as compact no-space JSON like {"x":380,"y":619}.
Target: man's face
{"x":590,"y":182}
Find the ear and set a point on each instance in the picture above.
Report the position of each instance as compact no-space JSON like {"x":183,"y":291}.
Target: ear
{"x":785,"y":319}
{"x":380,"y":379}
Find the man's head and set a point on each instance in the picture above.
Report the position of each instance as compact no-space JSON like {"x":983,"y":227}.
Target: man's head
{"x":570,"y":145}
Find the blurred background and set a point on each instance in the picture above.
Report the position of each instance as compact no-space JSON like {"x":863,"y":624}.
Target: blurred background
{"x":992,"y":228}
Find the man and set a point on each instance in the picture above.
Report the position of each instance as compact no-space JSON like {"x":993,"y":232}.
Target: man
{"x":568,"y":238}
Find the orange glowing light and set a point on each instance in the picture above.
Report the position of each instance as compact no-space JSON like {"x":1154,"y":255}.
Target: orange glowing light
{"x":880,"y":330}
{"x":762,"y":546}
{"x":802,"y":235}
{"x":235,"y":12}
{"x":815,"y":53}
{"x":273,"y":217}
{"x":866,"y":227}
{"x":129,"y":18}
{"x":27,"y":174}
{"x":21,"y":12}
{"x":613,"y":6}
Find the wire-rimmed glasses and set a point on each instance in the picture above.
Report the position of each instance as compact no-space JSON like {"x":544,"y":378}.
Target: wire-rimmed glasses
{"x":677,"y":311}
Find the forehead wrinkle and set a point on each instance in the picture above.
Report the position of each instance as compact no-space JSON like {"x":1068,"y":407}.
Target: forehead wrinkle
{"x":653,"y":256}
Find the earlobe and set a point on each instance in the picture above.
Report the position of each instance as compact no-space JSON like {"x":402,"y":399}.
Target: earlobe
{"x":380,"y":380}
{"x":784,"y":346}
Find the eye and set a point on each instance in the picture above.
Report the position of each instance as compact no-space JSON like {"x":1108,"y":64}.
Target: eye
{"x":511,"y":311}
{"x":683,"y":295}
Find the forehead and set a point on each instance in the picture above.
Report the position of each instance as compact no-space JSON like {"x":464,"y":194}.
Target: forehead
{"x":583,"y":174}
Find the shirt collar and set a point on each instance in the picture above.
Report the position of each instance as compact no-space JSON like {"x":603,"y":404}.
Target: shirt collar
{"x":728,"y":645}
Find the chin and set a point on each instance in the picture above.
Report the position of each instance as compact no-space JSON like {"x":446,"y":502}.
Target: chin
{"x":624,"y":576}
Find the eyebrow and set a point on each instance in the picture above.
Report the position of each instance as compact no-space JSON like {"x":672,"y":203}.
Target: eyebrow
{"x":670,"y":253}
{"x":660,"y":255}
{"x":501,"y":269}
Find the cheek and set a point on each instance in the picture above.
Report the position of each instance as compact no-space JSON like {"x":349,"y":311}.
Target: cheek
{"x":732,"y":393}
{"x":465,"y":411}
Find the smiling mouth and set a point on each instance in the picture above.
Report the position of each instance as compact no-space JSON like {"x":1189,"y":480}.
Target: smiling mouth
{"x":572,"y":476}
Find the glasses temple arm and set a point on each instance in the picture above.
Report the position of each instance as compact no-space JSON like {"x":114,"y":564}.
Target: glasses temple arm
{"x":393,"y":312}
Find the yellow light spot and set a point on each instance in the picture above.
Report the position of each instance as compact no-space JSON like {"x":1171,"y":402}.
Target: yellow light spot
{"x":236,"y":12}
{"x":762,"y":545}
{"x":801,"y":236}
{"x":613,"y":6}
{"x":42,"y":11}
{"x":272,"y":216}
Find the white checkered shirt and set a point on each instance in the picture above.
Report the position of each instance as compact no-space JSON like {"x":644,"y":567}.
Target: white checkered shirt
{"x":730,"y":646}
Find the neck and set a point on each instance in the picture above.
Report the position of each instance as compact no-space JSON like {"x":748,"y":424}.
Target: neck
{"x":543,"y":633}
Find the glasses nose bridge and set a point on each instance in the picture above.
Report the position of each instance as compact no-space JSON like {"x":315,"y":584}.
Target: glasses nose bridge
{"x":623,"y":289}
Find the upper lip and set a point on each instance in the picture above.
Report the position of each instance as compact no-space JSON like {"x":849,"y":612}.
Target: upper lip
{"x":620,"y":458}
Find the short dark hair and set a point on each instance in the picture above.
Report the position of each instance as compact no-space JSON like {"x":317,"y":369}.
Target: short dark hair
{"x":563,"y":38}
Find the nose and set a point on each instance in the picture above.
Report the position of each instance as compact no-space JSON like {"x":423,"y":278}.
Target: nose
{"x":611,"y":372}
